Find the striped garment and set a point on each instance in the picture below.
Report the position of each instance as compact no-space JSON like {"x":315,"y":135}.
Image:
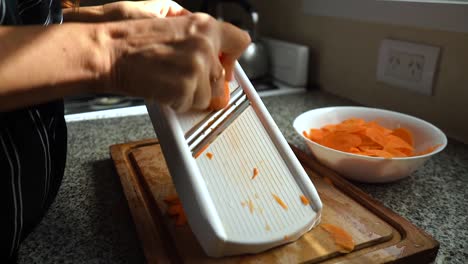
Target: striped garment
{"x":33,"y":144}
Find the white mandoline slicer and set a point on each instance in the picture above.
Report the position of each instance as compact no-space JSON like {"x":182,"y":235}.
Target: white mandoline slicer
{"x":230,"y":211}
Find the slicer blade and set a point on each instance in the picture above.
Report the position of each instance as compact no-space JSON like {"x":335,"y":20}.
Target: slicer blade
{"x":245,"y":197}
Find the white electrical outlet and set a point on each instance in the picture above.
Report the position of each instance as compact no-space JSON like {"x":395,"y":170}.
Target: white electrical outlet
{"x":407,"y":65}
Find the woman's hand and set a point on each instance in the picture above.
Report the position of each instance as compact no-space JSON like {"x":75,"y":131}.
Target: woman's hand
{"x":172,"y":60}
{"x":142,"y":9}
{"x":124,"y":10}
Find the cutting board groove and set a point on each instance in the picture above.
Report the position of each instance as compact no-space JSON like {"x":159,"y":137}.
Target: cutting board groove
{"x":380,"y":235}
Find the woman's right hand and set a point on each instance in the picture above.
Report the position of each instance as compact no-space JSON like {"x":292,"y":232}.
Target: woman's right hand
{"x":174,"y":61}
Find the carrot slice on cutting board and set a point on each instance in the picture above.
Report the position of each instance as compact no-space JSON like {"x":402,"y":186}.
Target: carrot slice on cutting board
{"x":342,"y":239}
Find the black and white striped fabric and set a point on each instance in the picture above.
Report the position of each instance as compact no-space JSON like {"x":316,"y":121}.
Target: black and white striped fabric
{"x":32,"y":144}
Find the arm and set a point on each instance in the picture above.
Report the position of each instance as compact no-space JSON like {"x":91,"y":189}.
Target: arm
{"x":39,"y":64}
{"x":124,"y":10}
{"x":172,"y":60}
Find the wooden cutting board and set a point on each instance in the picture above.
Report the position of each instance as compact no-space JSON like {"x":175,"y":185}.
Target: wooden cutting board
{"x":379,"y":234}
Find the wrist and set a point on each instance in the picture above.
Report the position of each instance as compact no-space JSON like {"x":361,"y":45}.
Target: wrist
{"x":100,"y":58}
{"x":111,"y":44}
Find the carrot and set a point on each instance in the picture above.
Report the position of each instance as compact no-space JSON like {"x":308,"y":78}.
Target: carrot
{"x":209,"y":155}
{"x":359,"y":137}
{"x":175,"y":209}
{"x":304,"y":200}
{"x":317,"y":134}
{"x":342,"y":238}
{"x":201,"y":151}
{"x":172,"y":199}
{"x":280,"y":202}
{"x":219,"y":102}
{"x":255,"y":173}
{"x":404,"y":134}
{"x":341,"y":141}
{"x":328,"y":181}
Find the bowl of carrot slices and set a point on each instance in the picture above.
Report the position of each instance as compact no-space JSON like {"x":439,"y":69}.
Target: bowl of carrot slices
{"x":369,"y":144}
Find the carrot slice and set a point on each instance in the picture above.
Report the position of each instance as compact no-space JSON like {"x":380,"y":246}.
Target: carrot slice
{"x":209,"y":155}
{"x":397,"y":143}
{"x":359,"y":137}
{"x":317,"y":134}
{"x":201,"y":151}
{"x":328,"y":180}
{"x":404,"y":134}
{"x":175,"y":209}
{"x":342,"y":238}
{"x":376,"y":135}
{"x":304,"y":200}
{"x":255,"y":173}
{"x":341,"y":141}
{"x":280,"y":202}
{"x":351,"y":125}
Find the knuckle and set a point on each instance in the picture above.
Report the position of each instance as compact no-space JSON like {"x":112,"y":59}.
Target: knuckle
{"x":200,"y":23}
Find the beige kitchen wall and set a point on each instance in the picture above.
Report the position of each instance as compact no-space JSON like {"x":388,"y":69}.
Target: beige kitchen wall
{"x":344,"y":59}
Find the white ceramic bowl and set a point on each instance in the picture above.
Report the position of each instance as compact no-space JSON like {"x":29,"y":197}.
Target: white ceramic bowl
{"x":370,"y":169}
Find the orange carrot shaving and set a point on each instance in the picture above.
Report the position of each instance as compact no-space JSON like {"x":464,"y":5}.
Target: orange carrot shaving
{"x":209,"y":155}
{"x":328,"y":181}
{"x":243,"y":204}
{"x":201,"y":151}
{"x":342,"y":238}
{"x":172,"y":199}
{"x":176,"y":210}
{"x":286,"y":238}
{"x":255,"y":173}
{"x":280,"y":202}
{"x":304,"y":200}
{"x":251,"y":206}
{"x":366,"y":138}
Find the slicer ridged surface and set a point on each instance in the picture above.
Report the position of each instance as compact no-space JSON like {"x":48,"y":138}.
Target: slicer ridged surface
{"x":246,"y":206}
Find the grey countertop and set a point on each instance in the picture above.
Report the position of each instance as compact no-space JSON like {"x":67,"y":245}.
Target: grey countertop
{"x":90,"y":221}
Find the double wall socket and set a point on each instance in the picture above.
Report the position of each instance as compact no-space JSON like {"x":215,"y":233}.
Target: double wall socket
{"x":407,"y":65}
